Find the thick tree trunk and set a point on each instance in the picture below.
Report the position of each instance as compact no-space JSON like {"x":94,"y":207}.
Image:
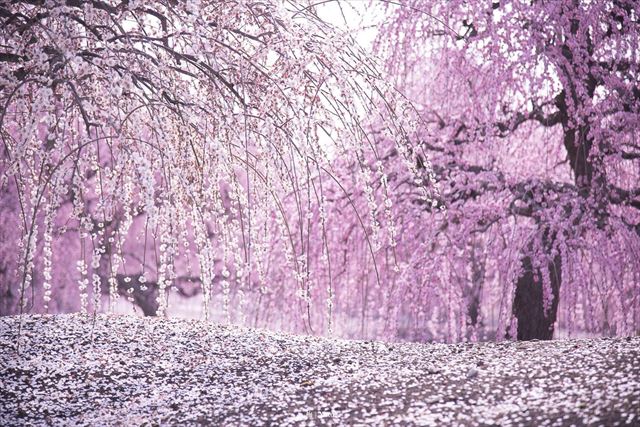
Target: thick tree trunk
{"x":528,"y":304}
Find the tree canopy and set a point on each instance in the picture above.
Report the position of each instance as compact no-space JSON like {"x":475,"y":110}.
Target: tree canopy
{"x":481,"y":181}
{"x":532,"y":112}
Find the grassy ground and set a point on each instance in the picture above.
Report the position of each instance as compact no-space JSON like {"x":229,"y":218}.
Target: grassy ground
{"x":123,"y":370}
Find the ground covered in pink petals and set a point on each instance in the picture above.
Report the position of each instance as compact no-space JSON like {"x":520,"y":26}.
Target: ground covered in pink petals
{"x":122,"y":370}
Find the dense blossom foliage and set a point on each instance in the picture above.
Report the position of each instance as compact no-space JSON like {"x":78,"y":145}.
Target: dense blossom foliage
{"x":252,"y":155}
{"x":532,"y":119}
{"x":149,"y":146}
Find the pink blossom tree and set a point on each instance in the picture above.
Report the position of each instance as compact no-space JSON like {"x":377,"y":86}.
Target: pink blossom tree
{"x":252,"y":155}
{"x":532,"y":122}
{"x":151,"y":145}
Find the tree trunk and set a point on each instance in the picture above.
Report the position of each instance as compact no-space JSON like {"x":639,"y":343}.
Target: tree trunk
{"x":528,"y":304}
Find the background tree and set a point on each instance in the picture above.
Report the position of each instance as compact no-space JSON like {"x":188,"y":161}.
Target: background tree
{"x":532,"y":112}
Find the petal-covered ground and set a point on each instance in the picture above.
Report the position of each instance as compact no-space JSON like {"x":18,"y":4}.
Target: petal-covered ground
{"x":124,"y":370}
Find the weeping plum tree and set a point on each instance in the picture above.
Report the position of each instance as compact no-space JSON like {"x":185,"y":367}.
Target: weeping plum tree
{"x":153,"y":145}
{"x":254,"y":156}
{"x":532,"y":114}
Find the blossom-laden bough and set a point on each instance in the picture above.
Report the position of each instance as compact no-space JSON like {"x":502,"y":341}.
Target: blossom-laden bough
{"x":194,"y":145}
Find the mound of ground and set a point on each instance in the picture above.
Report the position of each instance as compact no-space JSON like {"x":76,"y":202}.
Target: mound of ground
{"x":123,"y":370}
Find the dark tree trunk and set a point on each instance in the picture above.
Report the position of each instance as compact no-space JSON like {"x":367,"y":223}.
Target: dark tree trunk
{"x":474,"y":291}
{"x":144,"y":296}
{"x":528,"y":304}
{"x":146,"y":300}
